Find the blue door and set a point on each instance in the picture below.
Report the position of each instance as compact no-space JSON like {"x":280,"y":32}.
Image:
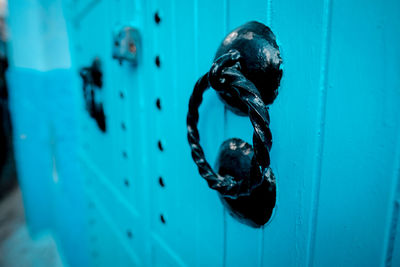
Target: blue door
{"x":335,"y":129}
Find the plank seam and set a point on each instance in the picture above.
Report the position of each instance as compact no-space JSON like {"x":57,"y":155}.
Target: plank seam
{"x":392,"y":235}
{"x":394,"y":217}
{"x":113,"y":226}
{"x":104,"y":181}
{"x":269,"y":13}
{"x":326,"y":26}
{"x":163,"y":245}
{"x":85,"y":11}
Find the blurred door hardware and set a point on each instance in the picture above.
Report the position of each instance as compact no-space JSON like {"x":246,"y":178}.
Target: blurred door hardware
{"x":8,"y":174}
{"x":92,"y":83}
{"x":246,"y":74}
{"x":126,"y":45}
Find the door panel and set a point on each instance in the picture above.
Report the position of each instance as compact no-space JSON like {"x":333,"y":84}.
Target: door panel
{"x":296,"y":125}
{"x":169,"y":216}
{"x":334,"y":126}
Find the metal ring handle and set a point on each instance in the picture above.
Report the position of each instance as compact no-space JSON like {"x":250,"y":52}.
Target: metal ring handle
{"x":225,"y":76}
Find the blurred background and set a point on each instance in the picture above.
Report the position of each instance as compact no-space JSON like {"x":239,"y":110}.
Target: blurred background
{"x":95,"y":168}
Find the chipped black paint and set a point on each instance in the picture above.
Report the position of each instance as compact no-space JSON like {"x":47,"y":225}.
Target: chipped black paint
{"x":93,"y":82}
{"x":246,"y":74}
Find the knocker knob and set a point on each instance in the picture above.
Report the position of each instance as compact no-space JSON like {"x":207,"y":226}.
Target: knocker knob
{"x":260,"y":62}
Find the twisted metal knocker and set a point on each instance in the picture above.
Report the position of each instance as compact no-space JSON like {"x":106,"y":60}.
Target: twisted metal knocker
{"x":246,"y":74}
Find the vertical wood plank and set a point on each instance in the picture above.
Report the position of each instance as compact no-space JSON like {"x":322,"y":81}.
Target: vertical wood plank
{"x":171,"y":218}
{"x":360,"y":130}
{"x":209,"y":214}
{"x":391,"y":32}
{"x":130,"y":92}
{"x":189,"y":206}
{"x":295,"y":121}
{"x":321,"y":116}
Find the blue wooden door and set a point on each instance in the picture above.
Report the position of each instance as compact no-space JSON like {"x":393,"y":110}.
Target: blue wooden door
{"x":335,"y":128}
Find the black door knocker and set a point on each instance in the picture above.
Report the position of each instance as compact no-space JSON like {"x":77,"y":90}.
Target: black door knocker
{"x":246,"y":75}
{"x":93,"y":82}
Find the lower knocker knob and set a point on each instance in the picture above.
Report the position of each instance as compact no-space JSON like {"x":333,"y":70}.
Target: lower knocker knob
{"x":246,"y":74}
{"x":235,"y":159}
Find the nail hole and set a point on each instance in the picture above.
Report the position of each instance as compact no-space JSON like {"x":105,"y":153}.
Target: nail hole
{"x":158,"y":103}
{"x":124,"y":154}
{"x":162,"y":219}
{"x":126,"y":182}
{"x":129,"y":234}
{"x":121,"y":95}
{"x":123,"y":126}
{"x":76,"y":25}
{"x":161,"y":181}
{"x":160,"y":146}
{"x":157,"y":61}
{"x":157,"y":18}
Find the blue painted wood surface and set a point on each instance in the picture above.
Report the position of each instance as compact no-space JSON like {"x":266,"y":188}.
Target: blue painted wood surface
{"x":335,"y":127}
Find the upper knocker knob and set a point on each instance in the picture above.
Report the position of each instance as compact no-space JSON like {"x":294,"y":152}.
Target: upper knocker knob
{"x":260,"y":62}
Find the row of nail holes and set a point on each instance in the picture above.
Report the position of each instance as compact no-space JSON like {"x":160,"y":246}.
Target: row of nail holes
{"x":157,"y":61}
{"x":125,"y":156}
